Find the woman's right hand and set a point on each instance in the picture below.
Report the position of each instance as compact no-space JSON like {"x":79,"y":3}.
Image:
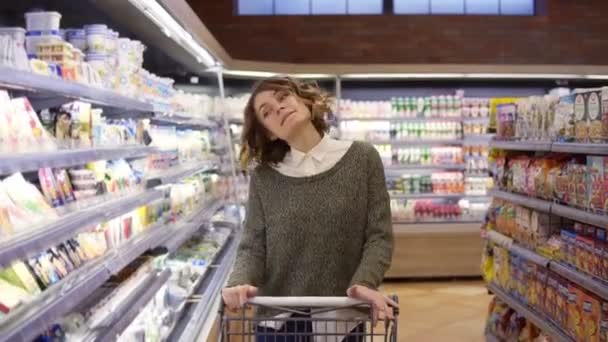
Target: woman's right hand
{"x":236,"y":297}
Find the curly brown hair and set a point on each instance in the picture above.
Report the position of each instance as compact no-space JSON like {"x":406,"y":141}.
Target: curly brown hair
{"x":256,"y":145}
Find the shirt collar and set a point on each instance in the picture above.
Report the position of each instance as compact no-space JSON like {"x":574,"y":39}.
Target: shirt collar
{"x":317,"y":153}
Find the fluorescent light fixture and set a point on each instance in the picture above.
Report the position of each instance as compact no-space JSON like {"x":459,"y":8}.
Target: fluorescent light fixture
{"x":403,"y":75}
{"x":523,"y":76}
{"x":174,"y":30}
{"x":597,"y":77}
{"x":194,"y":79}
{"x":249,"y":73}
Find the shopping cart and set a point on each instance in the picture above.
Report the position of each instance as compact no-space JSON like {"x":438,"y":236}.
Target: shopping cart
{"x":307,"y":319}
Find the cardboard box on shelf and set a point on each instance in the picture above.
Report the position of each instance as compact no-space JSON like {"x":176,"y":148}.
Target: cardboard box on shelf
{"x":595,"y":183}
{"x":594,"y":115}
{"x":581,"y":125}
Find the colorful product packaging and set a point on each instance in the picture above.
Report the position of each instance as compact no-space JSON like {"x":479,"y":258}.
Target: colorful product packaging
{"x":581,"y":125}
{"x":595,"y":183}
{"x":591,"y":308}
{"x":594,"y":115}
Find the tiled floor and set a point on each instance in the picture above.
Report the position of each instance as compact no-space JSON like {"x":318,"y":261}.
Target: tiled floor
{"x":451,"y":311}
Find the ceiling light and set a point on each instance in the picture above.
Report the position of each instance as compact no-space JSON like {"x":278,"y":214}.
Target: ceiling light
{"x":522,"y":76}
{"x":402,"y":75}
{"x":173,"y":29}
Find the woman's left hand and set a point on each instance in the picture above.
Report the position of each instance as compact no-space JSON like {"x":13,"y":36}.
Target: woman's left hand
{"x":381,"y":305}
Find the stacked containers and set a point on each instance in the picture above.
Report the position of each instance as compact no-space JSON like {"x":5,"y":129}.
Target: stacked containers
{"x":42,"y":27}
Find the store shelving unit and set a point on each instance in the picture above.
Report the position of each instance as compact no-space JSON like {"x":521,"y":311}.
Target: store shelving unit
{"x":436,"y":196}
{"x":553,"y":208}
{"x":38,"y":238}
{"x":174,"y":174}
{"x":197,"y":318}
{"x":32,"y":161}
{"x":588,"y":282}
{"x":417,"y":142}
{"x":44,"y":92}
{"x":400,"y":119}
{"x":536,"y":318}
{"x":31,"y":319}
{"x":540,"y":146}
{"x":131,"y":307}
{"x":404,"y":168}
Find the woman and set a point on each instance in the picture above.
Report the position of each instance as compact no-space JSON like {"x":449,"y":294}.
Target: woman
{"x":318,"y":217}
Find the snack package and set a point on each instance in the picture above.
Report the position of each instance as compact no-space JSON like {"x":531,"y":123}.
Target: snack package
{"x":551,"y":296}
{"x":27,"y":196}
{"x":589,"y":328}
{"x":603,"y":334}
{"x":49,"y":186}
{"x":64,"y":184}
{"x":578,"y":183}
{"x":604,"y":111}
{"x":575,"y":315}
{"x":595,"y":184}
{"x":506,"y":116}
{"x":594,"y":116}
{"x":563,"y":189}
{"x":562,"y":301}
{"x":581,"y":125}
{"x":569,"y":239}
{"x":600,"y":246}
{"x":523,"y":221}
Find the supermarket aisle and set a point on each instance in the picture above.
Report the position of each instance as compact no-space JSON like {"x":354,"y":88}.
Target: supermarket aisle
{"x":441,"y":311}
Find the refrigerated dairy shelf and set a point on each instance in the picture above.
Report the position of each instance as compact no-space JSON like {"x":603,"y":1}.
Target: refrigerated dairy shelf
{"x":597,"y":286}
{"x":44,"y":92}
{"x":415,"y":167}
{"x":39,"y":238}
{"x":198,"y":317}
{"x":183,"y":121}
{"x":542,"y":322}
{"x":183,"y":232}
{"x":28,"y":321}
{"x":175,"y":174}
{"x":133,"y":306}
{"x":417,"y":142}
{"x":435,"y":196}
{"x":400,"y":119}
{"x":32,"y":161}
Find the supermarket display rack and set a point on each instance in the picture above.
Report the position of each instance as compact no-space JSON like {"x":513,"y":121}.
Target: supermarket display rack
{"x":590,"y":283}
{"x":120,"y":319}
{"x":198,"y":317}
{"x":44,"y":92}
{"x":31,"y":319}
{"x":37,"y":238}
{"x":174,"y":174}
{"x":32,"y":161}
{"x":536,"y":318}
{"x":417,"y":243}
{"x":417,"y":142}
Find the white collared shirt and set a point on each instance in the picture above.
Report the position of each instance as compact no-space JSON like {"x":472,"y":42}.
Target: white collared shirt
{"x":319,"y":159}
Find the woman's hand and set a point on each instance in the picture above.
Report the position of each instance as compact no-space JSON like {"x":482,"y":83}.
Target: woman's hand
{"x":236,"y":297}
{"x":381,"y":305}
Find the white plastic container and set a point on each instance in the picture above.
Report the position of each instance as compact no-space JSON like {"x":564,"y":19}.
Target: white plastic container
{"x":42,"y":21}
{"x":97,"y":41}
{"x":35,"y":38}
{"x":17,"y":33}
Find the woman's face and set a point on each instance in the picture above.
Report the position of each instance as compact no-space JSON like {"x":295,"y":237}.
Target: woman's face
{"x":281,"y":112}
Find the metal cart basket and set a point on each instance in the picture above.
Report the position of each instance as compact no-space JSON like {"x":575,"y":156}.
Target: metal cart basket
{"x":307,"y":319}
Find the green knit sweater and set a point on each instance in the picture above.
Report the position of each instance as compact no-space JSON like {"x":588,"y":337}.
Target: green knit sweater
{"x":318,"y":235}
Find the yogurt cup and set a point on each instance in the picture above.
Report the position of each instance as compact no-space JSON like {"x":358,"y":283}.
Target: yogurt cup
{"x":42,"y":21}
{"x":34,"y":38}
{"x":16,"y":33}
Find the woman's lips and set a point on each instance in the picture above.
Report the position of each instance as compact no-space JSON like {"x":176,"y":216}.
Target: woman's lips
{"x":286,"y":117}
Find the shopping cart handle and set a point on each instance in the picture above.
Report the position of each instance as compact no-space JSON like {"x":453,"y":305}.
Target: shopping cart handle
{"x":309,"y":302}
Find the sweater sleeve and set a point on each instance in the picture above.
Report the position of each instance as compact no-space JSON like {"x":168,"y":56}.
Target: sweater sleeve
{"x":251,"y":255}
{"x":378,"y":247}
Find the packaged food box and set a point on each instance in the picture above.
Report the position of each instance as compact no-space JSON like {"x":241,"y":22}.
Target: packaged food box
{"x":595,"y":183}
{"x":581,"y":125}
{"x":561,"y":307}
{"x":603,"y":334}
{"x":591,"y":318}
{"x":604,"y":111}
{"x":564,"y":118}
{"x":551,"y":296}
{"x":601,"y":253}
{"x":593,"y":105}
{"x":574,"y":320}
{"x":579,"y":183}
